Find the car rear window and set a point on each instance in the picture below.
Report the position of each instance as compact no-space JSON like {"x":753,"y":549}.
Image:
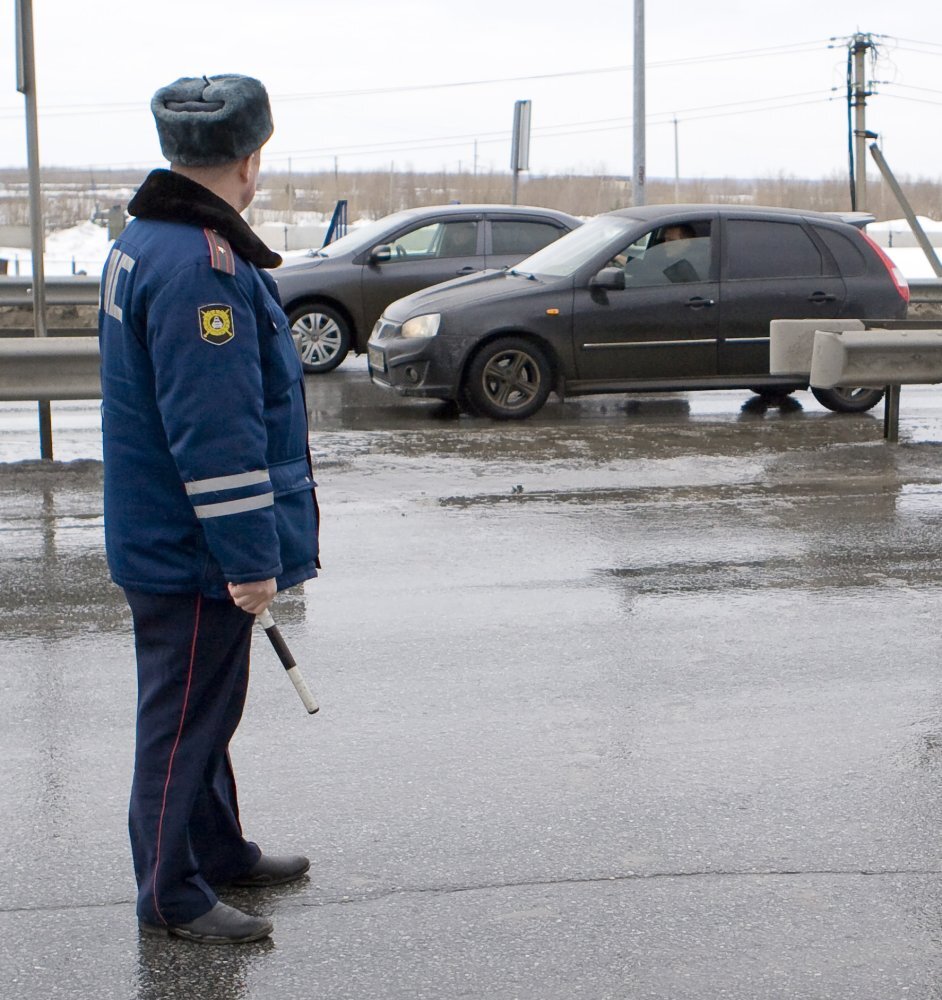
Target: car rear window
{"x":850,"y":259}
{"x":760,"y":249}
{"x":521,"y":236}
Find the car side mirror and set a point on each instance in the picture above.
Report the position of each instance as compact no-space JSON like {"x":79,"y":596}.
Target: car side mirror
{"x":380,"y":253}
{"x":612,"y":278}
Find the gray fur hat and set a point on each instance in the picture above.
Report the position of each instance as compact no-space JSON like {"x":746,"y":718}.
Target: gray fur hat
{"x":206,"y":121}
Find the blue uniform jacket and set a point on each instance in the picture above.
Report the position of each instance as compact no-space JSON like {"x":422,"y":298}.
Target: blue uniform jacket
{"x":207,"y":469}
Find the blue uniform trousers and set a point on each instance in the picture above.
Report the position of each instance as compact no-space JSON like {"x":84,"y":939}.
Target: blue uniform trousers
{"x":192,"y":673}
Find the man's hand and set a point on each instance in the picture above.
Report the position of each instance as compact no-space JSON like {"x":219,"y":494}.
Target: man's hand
{"x":253,"y":597}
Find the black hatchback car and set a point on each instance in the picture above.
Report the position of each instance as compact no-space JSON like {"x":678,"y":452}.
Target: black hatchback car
{"x":656,"y":298}
{"x":335,"y":295}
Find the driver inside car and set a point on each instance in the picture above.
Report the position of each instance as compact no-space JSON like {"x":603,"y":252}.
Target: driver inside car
{"x":664,"y":258}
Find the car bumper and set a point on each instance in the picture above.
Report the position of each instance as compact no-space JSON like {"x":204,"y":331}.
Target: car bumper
{"x":409,"y":367}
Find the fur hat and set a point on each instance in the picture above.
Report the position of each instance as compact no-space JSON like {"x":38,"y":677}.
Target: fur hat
{"x":206,"y":121}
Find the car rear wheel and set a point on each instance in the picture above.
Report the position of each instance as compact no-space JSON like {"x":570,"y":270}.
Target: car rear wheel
{"x":322,"y":336}
{"x":848,"y":400}
{"x":508,"y":379}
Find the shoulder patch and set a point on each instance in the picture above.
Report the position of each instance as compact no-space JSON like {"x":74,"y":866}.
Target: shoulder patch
{"x":216,"y":323}
{"x":221,"y":256}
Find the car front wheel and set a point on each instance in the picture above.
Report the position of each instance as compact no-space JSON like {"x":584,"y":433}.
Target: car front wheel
{"x":508,"y":379}
{"x":848,"y":400}
{"x":322,"y":336}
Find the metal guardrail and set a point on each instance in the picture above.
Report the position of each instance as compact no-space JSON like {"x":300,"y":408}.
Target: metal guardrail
{"x":925,"y":291}
{"x":82,"y":290}
{"x":44,"y":368}
{"x":65,"y":365}
{"x":67,"y":290}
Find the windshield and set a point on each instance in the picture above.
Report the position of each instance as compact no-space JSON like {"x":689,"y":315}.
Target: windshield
{"x":360,"y":237}
{"x":566,"y":255}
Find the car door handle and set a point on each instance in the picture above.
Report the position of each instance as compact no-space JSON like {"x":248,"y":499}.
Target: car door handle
{"x":698,"y":302}
{"x":821,"y":297}
{"x":466,"y":270}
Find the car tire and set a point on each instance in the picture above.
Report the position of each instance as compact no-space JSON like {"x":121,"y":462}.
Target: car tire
{"x":508,"y":379}
{"x":322,"y":335}
{"x":848,"y":400}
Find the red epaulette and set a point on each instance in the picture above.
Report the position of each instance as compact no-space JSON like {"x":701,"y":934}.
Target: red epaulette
{"x":220,"y":253}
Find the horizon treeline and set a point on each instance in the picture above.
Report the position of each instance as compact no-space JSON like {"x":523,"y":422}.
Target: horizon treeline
{"x":71,"y":196}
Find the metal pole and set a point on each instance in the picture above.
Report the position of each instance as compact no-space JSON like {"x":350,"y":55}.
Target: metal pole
{"x":861,"y":45}
{"x":26,"y":85}
{"x":290,"y":193}
{"x":911,"y":218}
{"x":891,"y":414}
{"x":637,"y":177}
{"x":676,"y":162}
{"x":520,"y":144}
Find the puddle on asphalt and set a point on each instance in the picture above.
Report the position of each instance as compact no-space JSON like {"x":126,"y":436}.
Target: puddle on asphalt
{"x":920,"y":498}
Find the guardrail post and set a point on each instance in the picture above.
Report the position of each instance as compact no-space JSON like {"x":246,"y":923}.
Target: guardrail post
{"x":891,"y":414}
{"x":45,"y":429}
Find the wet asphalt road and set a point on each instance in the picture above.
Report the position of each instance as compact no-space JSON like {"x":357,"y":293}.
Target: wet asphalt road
{"x":639,"y":699}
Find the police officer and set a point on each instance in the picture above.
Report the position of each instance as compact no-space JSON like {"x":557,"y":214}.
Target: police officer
{"x":209,"y":495}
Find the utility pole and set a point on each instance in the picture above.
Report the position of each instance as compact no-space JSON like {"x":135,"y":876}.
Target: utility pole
{"x":637,"y":176}
{"x":676,"y":162}
{"x":290,"y":193}
{"x":857,"y":96}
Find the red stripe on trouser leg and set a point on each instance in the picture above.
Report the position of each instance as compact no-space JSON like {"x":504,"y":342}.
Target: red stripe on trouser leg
{"x":173,"y":752}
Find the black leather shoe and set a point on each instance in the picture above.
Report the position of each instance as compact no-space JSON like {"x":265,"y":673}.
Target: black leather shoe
{"x":273,"y":870}
{"x":222,"y":925}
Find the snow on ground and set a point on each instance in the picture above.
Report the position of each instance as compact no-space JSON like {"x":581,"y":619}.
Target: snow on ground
{"x":83,"y":248}
{"x":901,"y":227}
{"x":912,"y":261}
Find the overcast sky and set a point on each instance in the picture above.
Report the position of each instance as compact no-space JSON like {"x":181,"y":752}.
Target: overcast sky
{"x":757,"y":88}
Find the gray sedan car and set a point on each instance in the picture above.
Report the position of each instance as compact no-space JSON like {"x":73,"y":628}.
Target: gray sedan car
{"x":335,"y":295}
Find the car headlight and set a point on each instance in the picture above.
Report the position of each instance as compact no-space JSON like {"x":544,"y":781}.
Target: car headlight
{"x":421,"y":326}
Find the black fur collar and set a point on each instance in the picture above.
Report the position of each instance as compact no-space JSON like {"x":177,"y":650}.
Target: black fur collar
{"x":171,"y":197}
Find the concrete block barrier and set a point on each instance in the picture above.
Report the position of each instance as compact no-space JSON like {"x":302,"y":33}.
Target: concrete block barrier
{"x":791,"y":342}
{"x":876,"y":358}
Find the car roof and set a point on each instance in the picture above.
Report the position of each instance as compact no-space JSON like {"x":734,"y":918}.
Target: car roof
{"x":655,"y":213}
{"x":464,"y":209}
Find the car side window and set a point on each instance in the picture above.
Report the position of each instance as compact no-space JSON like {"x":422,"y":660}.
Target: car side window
{"x":760,"y":249}
{"x":849,"y":258}
{"x":521,"y":236}
{"x":438,"y":239}
{"x":672,"y":254}
{"x":458,"y":239}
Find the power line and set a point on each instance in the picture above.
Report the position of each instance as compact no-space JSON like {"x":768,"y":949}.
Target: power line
{"x":793,"y":49}
{"x":915,"y":41}
{"x":125,"y":107}
{"x":553,"y":131}
{"x":913,"y":100}
{"x":769,"y":103}
{"x":909,"y":86}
